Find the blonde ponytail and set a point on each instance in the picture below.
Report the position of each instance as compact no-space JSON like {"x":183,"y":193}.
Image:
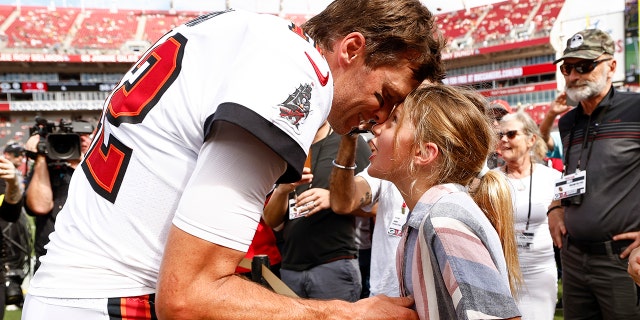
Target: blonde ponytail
{"x":493,"y":196}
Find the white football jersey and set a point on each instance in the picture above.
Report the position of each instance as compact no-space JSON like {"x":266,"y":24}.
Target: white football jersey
{"x":256,"y":71}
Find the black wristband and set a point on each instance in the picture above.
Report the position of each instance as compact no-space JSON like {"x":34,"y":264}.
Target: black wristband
{"x":553,"y":208}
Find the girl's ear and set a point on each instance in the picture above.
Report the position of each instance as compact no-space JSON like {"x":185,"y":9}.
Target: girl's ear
{"x":427,"y":154}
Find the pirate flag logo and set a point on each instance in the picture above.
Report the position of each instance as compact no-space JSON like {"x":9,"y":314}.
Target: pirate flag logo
{"x":297,"y":105}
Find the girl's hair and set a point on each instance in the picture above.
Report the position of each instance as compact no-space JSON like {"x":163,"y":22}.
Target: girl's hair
{"x":454,"y":119}
{"x":530,"y":128}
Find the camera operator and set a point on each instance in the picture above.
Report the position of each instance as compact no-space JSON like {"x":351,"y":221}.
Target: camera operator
{"x":10,"y":207}
{"x":48,"y":180}
{"x":17,"y":244}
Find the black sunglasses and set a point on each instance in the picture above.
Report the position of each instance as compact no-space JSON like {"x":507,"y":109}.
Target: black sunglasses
{"x":510,"y":134}
{"x":581,"y":67}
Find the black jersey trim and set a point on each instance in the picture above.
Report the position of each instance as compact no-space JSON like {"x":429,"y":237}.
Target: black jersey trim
{"x":276,"y":139}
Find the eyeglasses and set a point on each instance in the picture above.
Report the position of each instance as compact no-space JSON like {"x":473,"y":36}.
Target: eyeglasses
{"x":510,"y":134}
{"x":582,"y":67}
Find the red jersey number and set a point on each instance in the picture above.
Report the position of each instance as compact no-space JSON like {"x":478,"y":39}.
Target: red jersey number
{"x":105,"y":165}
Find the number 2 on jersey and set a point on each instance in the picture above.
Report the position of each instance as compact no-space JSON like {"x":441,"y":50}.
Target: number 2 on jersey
{"x":105,"y":165}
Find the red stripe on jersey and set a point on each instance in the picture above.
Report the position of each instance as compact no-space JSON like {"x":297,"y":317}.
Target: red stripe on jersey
{"x":132,"y":308}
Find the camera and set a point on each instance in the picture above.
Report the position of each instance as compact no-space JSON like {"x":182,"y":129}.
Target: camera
{"x":16,"y":257}
{"x":61,"y":141}
{"x":572,"y":201}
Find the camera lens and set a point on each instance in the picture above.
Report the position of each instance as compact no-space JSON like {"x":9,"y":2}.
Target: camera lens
{"x":63,"y":146}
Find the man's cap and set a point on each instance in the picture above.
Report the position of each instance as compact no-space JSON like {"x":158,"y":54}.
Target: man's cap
{"x":588,"y":44}
{"x":14,"y":148}
{"x":499,"y":107}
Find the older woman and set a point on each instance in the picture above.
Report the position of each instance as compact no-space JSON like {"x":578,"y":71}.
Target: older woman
{"x":532,"y":189}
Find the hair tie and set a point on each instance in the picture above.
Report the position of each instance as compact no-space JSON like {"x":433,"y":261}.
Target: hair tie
{"x":484,"y":171}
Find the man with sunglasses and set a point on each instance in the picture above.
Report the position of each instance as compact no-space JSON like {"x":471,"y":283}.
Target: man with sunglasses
{"x":601,"y":222}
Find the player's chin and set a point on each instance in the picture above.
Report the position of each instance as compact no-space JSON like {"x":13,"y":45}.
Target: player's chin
{"x":341,"y":124}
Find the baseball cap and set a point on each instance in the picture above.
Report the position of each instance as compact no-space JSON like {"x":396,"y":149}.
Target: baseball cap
{"x":588,"y":44}
{"x":499,"y":107}
{"x":14,"y":148}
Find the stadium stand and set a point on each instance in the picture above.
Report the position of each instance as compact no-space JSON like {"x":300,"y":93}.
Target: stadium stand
{"x":104,"y":29}
{"x":40,"y":27}
{"x":503,"y":50}
{"x":157,"y":24}
{"x":456,"y":25}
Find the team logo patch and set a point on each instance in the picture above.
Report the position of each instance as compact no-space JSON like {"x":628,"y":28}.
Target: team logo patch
{"x":297,"y":106}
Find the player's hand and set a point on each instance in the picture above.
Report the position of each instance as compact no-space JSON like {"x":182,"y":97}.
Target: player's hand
{"x":557,"y":227}
{"x":635,"y":236}
{"x":314,"y":200}
{"x":383,"y":307}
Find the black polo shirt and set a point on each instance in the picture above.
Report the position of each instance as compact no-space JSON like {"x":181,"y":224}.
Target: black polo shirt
{"x":611,"y":156}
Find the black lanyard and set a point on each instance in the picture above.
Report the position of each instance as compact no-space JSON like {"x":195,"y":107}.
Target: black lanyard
{"x":506,"y":169}
{"x":596,"y":127}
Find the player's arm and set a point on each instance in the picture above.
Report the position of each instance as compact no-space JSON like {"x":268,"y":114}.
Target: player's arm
{"x":196,"y":278}
{"x":348,"y":192}
{"x":197,"y":282}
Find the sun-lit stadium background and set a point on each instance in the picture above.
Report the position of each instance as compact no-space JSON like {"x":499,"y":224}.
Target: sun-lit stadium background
{"x":60,"y":60}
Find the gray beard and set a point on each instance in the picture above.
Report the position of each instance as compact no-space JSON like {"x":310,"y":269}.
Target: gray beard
{"x":592,"y":89}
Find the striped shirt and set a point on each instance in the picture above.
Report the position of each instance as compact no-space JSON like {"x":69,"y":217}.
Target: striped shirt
{"x":450,"y":259}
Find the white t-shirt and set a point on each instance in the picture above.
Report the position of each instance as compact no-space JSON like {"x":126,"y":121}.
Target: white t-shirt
{"x":152,"y":159}
{"x":539,"y":254}
{"x":383,"y":278}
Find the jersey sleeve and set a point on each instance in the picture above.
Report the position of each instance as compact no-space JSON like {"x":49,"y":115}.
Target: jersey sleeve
{"x":223,"y":201}
{"x":267,"y":84}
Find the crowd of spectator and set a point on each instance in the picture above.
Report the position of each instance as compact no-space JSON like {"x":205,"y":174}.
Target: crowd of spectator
{"x":62,"y":29}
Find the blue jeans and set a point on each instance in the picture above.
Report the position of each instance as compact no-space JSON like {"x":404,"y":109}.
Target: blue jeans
{"x":338,"y":279}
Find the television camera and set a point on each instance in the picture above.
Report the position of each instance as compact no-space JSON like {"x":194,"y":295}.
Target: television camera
{"x":61,"y":141}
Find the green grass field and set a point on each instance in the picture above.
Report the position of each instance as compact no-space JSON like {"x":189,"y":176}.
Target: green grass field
{"x":12,"y":315}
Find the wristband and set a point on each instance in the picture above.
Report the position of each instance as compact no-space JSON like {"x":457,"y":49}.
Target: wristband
{"x":343,"y":167}
{"x":553,"y":208}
